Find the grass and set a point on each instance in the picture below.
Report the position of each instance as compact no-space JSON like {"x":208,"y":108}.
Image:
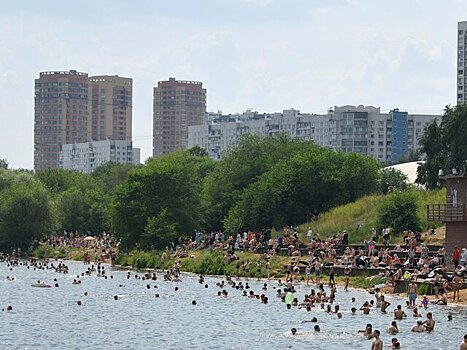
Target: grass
{"x":205,"y":262}
{"x":364,"y":212}
{"x":44,"y":250}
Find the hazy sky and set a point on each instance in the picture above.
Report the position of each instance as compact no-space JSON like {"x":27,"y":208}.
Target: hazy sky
{"x":268,"y":55}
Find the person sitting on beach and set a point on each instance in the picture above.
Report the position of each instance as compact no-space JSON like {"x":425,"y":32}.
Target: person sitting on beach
{"x":399,"y":314}
{"x":418,"y":327}
{"x":443,"y":300}
{"x":393,"y":329}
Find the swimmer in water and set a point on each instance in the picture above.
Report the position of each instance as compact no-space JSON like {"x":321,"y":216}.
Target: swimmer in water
{"x":418,"y":327}
{"x":464,"y":343}
{"x":384,"y":304}
{"x":393,"y":330}
{"x":429,"y":323}
{"x":377,"y":343}
{"x":399,"y":314}
{"x":293,"y":331}
{"x":368,"y":331}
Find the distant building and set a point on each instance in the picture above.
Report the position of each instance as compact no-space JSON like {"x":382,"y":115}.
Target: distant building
{"x":363,"y":129}
{"x":110,"y":108}
{"x":60,"y":114}
{"x":461,"y":62}
{"x":87,"y":156}
{"x":177,"y":104}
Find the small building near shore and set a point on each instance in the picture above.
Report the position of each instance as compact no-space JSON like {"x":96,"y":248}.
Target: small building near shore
{"x":453,"y":213}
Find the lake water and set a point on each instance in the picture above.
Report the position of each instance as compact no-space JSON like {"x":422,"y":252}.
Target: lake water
{"x":49,"y":318}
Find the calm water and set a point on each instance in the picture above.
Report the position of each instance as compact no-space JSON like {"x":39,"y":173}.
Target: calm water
{"x":49,"y":318}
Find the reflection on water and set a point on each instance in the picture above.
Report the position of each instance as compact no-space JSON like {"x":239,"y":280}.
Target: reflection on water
{"x":49,"y":318}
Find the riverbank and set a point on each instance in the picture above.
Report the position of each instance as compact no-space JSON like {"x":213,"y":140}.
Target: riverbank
{"x":213,"y":262}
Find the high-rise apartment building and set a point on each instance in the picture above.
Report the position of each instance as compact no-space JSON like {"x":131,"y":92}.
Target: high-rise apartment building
{"x":87,"y":156}
{"x":110,"y":108}
{"x":60,"y":114}
{"x":461,"y":62}
{"x":177,"y":105}
{"x":386,"y":137}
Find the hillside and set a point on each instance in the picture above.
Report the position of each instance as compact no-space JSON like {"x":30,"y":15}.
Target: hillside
{"x":359,"y":217}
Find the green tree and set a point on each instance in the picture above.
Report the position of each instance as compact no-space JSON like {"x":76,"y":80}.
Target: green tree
{"x":159,"y":231}
{"x":25,"y":214}
{"x":3,"y":164}
{"x":170,"y":185}
{"x":391,"y":180}
{"x":242,"y":166}
{"x":444,"y":146}
{"x":110,"y":175}
{"x":311,"y":181}
{"x":399,"y":211}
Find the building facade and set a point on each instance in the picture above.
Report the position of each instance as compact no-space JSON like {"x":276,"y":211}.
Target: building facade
{"x":176,"y":106}
{"x":60,"y":114}
{"x":110,"y":108}
{"x":87,"y":156}
{"x":461,"y":62}
{"x":386,"y":137}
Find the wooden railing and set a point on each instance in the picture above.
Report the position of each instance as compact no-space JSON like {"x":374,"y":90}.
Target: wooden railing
{"x":446,"y":212}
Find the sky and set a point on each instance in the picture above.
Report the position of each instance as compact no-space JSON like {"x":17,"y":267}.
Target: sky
{"x":268,"y":55}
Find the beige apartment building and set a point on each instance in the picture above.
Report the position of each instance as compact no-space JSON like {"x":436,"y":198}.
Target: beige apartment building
{"x":177,"y":104}
{"x":110,"y":108}
{"x":60,"y":114}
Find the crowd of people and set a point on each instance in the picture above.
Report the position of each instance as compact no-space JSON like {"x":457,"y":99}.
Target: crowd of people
{"x":322,"y":296}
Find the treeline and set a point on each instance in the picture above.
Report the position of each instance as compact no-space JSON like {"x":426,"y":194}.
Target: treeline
{"x":262,"y":183}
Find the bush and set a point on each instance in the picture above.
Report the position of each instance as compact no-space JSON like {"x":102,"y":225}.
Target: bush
{"x":399,"y":211}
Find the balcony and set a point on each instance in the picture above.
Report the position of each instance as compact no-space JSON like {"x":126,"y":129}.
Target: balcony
{"x":444,"y":212}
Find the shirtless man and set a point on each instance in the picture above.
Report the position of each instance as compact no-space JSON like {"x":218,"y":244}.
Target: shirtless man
{"x":464,"y":344}
{"x":377,"y":343}
{"x":318,"y":266}
{"x":384,"y":304}
{"x":366,"y":308}
{"x":368,"y":331}
{"x":413,"y":289}
{"x":399,"y":314}
{"x":429,"y":323}
{"x":393,"y":329}
{"x":456,"y":286}
{"x":347,"y":277}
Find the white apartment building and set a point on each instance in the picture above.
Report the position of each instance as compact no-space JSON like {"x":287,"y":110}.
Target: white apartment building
{"x":461,"y":62}
{"x":87,"y":156}
{"x":362,"y":129}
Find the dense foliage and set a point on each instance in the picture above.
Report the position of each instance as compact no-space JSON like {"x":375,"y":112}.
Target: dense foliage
{"x":25,"y":210}
{"x":391,"y":180}
{"x":445,"y":146}
{"x":399,"y":211}
{"x":261,"y":183}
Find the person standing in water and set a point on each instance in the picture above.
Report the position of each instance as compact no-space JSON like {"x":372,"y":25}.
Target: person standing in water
{"x":347,"y":277}
{"x":377,"y":343}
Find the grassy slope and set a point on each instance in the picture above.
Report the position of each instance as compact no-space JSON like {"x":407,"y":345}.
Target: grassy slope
{"x":365,"y":212}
